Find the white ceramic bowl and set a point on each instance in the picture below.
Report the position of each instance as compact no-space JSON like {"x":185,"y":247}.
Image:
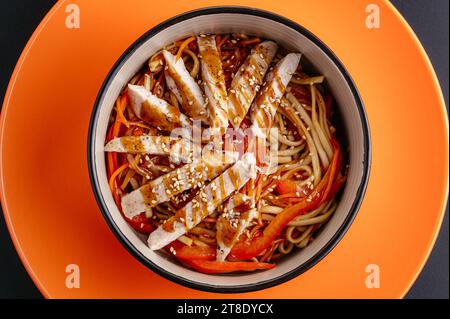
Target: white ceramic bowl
{"x":287,"y":34}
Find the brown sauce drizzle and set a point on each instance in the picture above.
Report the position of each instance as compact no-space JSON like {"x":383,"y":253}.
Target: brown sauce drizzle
{"x":195,"y":109}
{"x":225,"y":233}
{"x":194,"y":215}
{"x":132,"y":144}
{"x":148,"y":195}
{"x":151,"y":114}
{"x":169,"y":225}
{"x":235,"y":178}
{"x":221,"y":185}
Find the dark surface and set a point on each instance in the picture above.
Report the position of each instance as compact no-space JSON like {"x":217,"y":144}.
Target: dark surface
{"x":429,"y":19}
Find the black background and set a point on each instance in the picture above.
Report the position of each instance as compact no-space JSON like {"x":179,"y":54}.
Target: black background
{"x":428,"y":18}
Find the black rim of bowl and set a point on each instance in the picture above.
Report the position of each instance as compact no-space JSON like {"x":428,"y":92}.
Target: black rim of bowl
{"x":247,"y":287}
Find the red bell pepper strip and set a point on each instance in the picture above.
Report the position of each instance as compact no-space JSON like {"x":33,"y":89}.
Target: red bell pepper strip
{"x":292,"y":199}
{"x":327,"y":188}
{"x":288,"y":187}
{"x":222,"y":267}
{"x":140,"y":223}
{"x":183,"y":252}
{"x":248,"y":250}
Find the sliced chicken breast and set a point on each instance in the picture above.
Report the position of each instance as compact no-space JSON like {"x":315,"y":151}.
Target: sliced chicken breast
{"x":171,"y":184}
{"x":266,"y":104}
{"x":144,"y":144}
{"x":237,"y":215}
{"x":230,"y":227}
{"x":154,"y":110}
{"x":193,"y":103}
{"x":247,"y":81}
{"x":205,"y":202}
{"x":179,"y":150}
{"x":235,"y":201}
{"x":214,"y":82}
{"x":173,"y":87}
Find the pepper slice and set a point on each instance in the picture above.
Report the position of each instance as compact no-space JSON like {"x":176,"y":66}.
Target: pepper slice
{"x":222,"y":267}
{"x":140,"y":223}
{"x":194,"y":256}
{"x":183,"y":252}
{"x":287,"y":187}
{"x":248,"y":250}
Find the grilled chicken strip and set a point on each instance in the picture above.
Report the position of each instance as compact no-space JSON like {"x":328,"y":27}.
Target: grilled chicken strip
{"x":205,"y":202}
{"x":173,"y":87}
{"x":229,"y":231}
{"x":266,"y":104}
{"x":179,"y":150}
{"x":154,"y":110}
{"x":193,"y":103}
{"x":171,"y":184}
{"x":247,"y":81}
{"x":231,"y":225}
{"x":214,"y":82}
{"x":152,"y":145}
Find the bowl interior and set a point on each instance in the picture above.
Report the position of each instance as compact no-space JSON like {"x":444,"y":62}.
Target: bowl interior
{"x":291,"y":39}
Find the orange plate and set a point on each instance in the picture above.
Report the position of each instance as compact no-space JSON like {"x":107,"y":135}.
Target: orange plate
{"x":51,"y":211}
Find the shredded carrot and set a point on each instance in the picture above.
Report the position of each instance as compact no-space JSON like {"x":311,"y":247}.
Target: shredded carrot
{"x":112,"y":156}
{"x":139,"y":124}
{"x":118,"y":121}
{"x":127,"y":178}
{"x":259,"y":186}
{"x":222,"y":41}
{"x":115,"y":174}
{"x":116,"y":128}
{"x":112,"y":162}
{"x":121,"y":105}
{"x":250,"y":41}
{"x":183,"y":46}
